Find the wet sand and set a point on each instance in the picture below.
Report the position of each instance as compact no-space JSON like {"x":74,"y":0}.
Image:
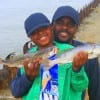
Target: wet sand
{"x":89,"y":31}
{"x":6,"y":95}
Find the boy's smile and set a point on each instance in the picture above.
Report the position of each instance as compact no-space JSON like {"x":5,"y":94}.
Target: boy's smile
{"x":42,"y":36}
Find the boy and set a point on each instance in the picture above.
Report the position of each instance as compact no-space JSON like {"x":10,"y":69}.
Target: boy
{"x":59,"y":82}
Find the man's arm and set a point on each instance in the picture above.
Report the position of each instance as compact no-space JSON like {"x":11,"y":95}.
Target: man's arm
{"x":79,"y":80}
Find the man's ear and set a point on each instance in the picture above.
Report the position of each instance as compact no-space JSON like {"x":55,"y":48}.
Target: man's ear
{"x":76,"y":28}
{"x":75,"y":31}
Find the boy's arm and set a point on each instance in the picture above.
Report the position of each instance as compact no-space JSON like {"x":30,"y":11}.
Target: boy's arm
{"x":79,"y":80}
{"x":20,"y":85}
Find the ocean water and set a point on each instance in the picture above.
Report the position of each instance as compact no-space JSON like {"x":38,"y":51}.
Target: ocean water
{"x":14,"y":12}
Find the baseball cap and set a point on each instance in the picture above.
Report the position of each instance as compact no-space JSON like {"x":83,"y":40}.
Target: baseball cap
{"x":66,"y":11}
{"x":34,"y":22}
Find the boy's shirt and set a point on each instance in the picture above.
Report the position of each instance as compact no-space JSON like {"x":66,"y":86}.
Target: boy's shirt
{"x":66,"y":77}
{"x":49,"y":84}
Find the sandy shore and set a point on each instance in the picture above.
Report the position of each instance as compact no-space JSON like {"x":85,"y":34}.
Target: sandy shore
{"x":6,"y":95}
{"x":89,"y":30}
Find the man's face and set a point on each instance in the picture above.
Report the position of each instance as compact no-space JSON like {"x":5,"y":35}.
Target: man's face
{"x":64,"y":29}
{"x":42,"y":36}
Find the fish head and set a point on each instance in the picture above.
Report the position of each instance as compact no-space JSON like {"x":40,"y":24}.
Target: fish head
{"x":46,"y":53}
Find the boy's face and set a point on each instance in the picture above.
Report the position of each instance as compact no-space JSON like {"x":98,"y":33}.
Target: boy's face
{"x":64,"y":29}
{"x":42,"y":36}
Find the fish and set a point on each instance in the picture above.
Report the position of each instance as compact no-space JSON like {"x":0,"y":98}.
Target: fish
{"x":67,"y":56}
{"x":62,"y":57}
{"x":17,"y":59}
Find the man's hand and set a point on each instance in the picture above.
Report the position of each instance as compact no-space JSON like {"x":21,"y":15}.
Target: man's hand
{"x":32,"y":68}
{"x":79,"y":59}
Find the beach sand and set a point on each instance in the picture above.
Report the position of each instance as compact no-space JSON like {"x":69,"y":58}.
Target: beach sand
{"x":89,"y":29}
{"x":6,"y":95}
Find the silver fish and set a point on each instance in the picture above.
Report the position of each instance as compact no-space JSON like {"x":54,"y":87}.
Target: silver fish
{"x":17,"y":59}
{"x":93,"y":51}
{"x":66,"y":56}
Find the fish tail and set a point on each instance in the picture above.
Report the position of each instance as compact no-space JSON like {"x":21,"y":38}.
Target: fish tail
{"x":4,"y":63}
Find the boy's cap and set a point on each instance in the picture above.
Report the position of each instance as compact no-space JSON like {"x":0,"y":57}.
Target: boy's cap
{"x":66,"y":11}
{"x":34,"y":22}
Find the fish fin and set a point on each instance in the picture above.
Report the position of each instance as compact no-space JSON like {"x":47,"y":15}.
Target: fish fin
{"x":62,"y":52}
{"x":44,"y":50}
{"x":48,"y":63}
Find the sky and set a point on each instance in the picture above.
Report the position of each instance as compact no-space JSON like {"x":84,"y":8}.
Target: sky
{"x":13,"y":14}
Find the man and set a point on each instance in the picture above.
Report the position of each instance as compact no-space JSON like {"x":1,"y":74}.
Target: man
{"x":65,"y":24}
{"x":58,"y":82}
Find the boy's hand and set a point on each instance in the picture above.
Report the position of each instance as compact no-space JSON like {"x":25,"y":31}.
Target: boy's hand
{"x":79,"y":59}
{"x":32,"y":68}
